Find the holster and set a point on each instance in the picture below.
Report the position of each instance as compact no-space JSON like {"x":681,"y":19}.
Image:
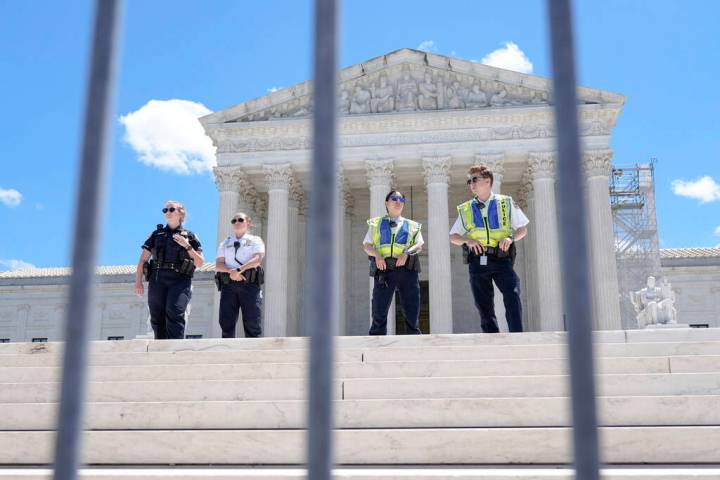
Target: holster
{"x":187,"y":267}
{"x":148,"y":269}
{"x":412,"y":263}
{"x":254,"y":276}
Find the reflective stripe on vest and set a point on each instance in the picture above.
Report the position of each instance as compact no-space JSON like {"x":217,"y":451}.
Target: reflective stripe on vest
{"x":388,"y":245}
{"x":488,"y":230}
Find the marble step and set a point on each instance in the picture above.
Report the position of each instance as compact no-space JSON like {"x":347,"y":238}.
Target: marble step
{"x":445,"y":368}
{"x":215,"y":344}
{"x":385,"y":353}
{"x":479,"y":446}
{"x":423,"y":413}
{"x":403,"y":473}
{"x":371,"y":388}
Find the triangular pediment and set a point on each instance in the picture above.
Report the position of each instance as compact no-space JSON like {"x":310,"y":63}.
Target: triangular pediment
{"x":410,"y":81}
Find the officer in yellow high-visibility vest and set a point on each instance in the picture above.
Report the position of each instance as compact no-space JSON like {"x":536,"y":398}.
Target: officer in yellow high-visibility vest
{"x":393,"y":243}
{"x":487,"y":227}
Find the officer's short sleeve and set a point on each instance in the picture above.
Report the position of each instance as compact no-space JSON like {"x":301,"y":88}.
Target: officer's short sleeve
{"x":221,"y":250}
{"x":519,"y":219}
{"x":259,"y":246}
{"x":458,"y":227}
{"x":195,"y":242}
{"x":419,"y":238}
{"x":368,"y":236}
{"x":149,"y":243}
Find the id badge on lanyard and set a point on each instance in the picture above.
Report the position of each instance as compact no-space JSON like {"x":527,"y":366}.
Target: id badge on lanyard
{"x":483,"y":259}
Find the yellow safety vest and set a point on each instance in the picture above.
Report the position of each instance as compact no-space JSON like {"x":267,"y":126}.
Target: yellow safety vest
{"x":492,"y":227}
{"x":390,"y":244}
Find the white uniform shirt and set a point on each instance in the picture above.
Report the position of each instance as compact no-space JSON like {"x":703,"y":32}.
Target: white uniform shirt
{"x":399,"y":220}
{"x":519,"y":219}
{"x":249,"y":246}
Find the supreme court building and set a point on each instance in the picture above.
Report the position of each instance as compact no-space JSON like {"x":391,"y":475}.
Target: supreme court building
{"x":416,"y":121}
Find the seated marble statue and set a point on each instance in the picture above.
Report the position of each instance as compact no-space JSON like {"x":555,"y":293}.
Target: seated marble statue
{"x":360,"y":102}
{"x":383,"y":97}
{"x":654,"y":305}
{"x":428,"y":98}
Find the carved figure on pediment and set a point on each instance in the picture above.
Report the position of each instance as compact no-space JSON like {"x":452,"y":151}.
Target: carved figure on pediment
{"x":383,"y":96}
{"x":407,"y":91}
{"x":452,"y":96}
{"x":360,"y":102}
{"x":344,"y":101}
{"x":476,"y":98}
{"x":499,"y":97}
{"x":539,"y":97}
{"x":429,"y":97}
{"x":519,"y":95}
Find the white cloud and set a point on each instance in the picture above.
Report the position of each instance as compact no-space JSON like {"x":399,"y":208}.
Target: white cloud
{"x":13,"y":264}
{"x":428,"y":46}
{"x":273,"y":89}
{"x":705,"y":189}
{"x":10,"y":197}
{"x":509,"y":57}
{"x":166,"y":134}
{"x":717,"y":231}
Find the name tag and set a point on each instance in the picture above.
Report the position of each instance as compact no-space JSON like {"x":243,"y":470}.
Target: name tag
{"x":483,"y":260}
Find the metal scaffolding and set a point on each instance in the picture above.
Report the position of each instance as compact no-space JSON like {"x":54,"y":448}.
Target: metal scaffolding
{"x":632,"y":197}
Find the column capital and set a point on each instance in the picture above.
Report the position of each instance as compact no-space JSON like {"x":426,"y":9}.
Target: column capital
{"x":436,"y":169}
{"x":494,"y":161}
{"x":278,"y":176}
{"x":541,"y":165}
{"x":597,"y":163}
{"x":379,"y":171}
{"x":227,"y":178}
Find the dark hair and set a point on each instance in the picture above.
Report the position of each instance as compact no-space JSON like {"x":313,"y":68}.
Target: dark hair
{"x":481,"y":171}
{"x":387,"y":197}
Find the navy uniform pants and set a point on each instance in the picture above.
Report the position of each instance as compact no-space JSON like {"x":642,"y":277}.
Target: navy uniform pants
{"x":406,"y":282}
{"x":168,"y":296}
{"x":500,"y":271}
{"x":237,"y":296}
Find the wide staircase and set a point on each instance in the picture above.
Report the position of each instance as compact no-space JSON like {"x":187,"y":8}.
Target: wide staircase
{"x":485,"y":407}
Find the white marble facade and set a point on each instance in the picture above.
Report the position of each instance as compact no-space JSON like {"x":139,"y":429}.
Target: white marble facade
{"x":410,"y":120}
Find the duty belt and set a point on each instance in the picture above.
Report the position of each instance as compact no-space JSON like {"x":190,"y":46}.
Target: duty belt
{"x":168,"y":266}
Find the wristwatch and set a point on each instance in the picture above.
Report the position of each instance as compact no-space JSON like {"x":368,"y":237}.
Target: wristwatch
{"x":188,"y":248}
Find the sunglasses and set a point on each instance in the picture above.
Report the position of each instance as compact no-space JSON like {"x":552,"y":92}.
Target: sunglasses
{"x":237,"y":220}
{"x":474,"y":179}
{"x":395,"y":198}
{"x":171,"y":209}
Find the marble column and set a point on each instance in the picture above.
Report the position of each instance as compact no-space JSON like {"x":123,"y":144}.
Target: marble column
{"x":379,"y":177}
{"x":277,"y":178}
{"x":547,"y":242}
{"x":521,"y":261}
{"x":226,"y":179}
{"x":341,"y":258}
{"x":350,"y":245}
{"x":494,"y":161}
{"x":294,"y":254}
{"x":606,"y":303}
{"x":438,"y":246}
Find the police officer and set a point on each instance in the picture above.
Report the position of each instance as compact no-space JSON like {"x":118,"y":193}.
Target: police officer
{"x":176,"y":252}
{"x":487,"y":228}
{"x":393,"y":242}
{"x":239,"y":276}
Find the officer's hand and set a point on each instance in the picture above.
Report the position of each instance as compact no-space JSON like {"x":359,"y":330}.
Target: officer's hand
{"x":401,"y":260}
{"x":237,"y":276}
{"x":139,"y":289}
{"x":380,"y":262}
{"x":180,"y":240}
{"x":505,"y":244}
{"x":475,"y":247}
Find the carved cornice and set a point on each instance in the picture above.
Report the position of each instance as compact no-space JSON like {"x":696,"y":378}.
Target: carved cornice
{"x":597,"y":163}
{"x":436,"y":169}
{"x":379,"y":172}
{"x":405,"y":129}
{"x":278,"y":176}
{"x":541,"y":165}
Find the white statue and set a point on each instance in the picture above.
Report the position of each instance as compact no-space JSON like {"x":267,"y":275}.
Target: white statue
{"x":654,"y":305}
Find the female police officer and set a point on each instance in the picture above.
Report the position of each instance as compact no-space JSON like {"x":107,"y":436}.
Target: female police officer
{"x":239,"y":276}
{"x":176,"y":252}
{"x":393,"y":242}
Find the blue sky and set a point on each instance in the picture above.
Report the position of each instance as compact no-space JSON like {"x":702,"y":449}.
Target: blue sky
{"x":661,"y":54}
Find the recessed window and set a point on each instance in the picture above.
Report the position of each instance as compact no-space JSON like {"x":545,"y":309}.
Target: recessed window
{"x":39,"y":339}
{"x":193,"y":336}
{"x":4,"y":340}
{"x":119,"y":337}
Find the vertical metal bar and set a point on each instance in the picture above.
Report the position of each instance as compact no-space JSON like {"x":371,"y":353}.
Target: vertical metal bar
{"x":575,"y":265}
{"x":321,"y":303}
{"x":90,"y":198}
